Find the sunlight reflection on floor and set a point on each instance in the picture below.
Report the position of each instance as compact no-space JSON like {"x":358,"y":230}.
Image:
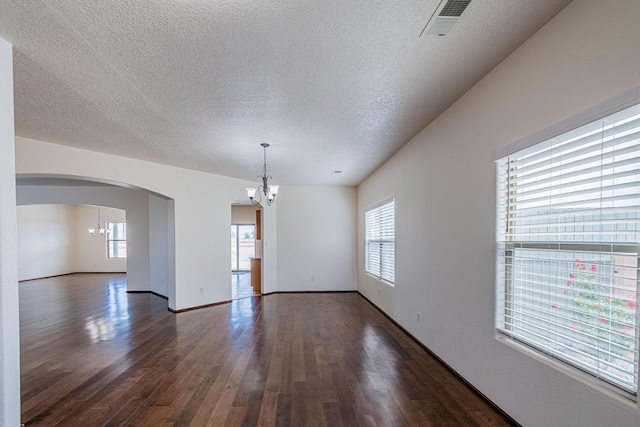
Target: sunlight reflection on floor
{"x":241,"y":285}
{"x":116,"y":322}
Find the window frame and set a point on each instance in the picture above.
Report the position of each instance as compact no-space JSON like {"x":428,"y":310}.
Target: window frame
{"x":110,"y":240}
{"x":235,"y":228}
{"x":384,"y":242}
{"x":507,"y":244}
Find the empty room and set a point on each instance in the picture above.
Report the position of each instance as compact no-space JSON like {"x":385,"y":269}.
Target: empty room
{"x":322,"y":213}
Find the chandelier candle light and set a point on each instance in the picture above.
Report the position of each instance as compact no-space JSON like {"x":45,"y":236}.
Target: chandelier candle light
{"x":270,"y":190}
{"x":102,"y":230}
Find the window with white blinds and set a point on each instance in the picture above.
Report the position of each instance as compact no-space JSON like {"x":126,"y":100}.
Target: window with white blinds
{"x":380,"y":241}
{"x":568,"y":232}
{"x":116,"y":239}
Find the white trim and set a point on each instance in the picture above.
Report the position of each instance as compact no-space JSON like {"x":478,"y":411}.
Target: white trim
{"x":380,"y":203}
{"x":9,"y":313}
{"x":611,"y":106}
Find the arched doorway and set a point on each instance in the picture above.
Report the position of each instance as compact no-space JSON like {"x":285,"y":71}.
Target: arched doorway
{"x":149,"y":222}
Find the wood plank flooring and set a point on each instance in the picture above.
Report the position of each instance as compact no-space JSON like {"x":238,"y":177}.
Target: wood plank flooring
{"x":93,"y":355}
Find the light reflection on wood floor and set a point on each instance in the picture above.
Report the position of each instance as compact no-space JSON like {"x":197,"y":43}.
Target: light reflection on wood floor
{"x":93,"y":355}
{"x":241,"y":285}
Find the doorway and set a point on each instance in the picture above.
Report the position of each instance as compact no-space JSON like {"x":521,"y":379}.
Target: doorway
{"x":243,"y":248}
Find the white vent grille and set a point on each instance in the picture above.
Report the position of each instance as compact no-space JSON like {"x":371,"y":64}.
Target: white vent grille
{"x":454,"y":8}
{"x":445,"y":16}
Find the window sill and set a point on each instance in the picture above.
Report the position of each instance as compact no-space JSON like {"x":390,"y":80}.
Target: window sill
{"x":574,"y":373}
{"x":379,"y":279}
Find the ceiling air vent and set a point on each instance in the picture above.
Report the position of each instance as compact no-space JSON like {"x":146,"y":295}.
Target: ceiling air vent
{"x":447,"y":14}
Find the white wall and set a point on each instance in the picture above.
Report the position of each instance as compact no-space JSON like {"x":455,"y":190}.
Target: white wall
{"x":316,"y":239}
{"x":54,"y":240}
{"x":243,"y":214}
{"x":9,"y":318}
{"x":46,"y":241}
{"x":201,"y":221}
{"x":91,"y":251}
{"x":159,"y":245}
{"x":444,"y":185}
{"x":202,"y":252}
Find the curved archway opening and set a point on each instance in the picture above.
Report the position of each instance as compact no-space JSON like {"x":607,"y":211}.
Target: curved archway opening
{"x":149,"y":222}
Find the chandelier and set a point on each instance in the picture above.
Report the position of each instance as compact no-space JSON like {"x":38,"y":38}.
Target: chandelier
{"x":99,"y":228}
{"x":270,"y":190}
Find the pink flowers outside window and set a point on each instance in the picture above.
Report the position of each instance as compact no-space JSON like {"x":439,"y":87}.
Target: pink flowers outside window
{"x":592,"y":309}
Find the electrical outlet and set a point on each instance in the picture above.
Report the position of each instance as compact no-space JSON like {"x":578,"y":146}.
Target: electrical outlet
{"x":201,"y":290}
{"x":378,"y":291}
{"x":417,"y":316}
{"x":313,"y":279}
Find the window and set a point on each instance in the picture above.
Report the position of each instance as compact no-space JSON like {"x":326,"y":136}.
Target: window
{"x":116,"y":240}
{"x":380,"y":241}
{"x":568,"y":230}
{"x":243,"y":246}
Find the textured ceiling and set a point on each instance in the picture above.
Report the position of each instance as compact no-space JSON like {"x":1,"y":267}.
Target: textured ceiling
{"x":330,"y":84}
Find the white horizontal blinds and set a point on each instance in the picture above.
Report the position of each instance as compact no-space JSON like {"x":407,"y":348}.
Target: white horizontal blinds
{"x":380,"y":241}
{"x":579,"y":186}
{"x":568,"y":231}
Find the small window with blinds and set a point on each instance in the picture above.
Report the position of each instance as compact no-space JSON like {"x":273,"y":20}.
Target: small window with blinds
{"x":568,"y":232}
{"x":116,"y":240}
{"x":380,"y":241}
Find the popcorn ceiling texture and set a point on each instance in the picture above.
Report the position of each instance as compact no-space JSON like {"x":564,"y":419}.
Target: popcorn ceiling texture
{"x":199,"y":84}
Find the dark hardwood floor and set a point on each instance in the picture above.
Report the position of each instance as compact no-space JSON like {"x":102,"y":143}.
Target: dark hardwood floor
{"x":93,"y":355}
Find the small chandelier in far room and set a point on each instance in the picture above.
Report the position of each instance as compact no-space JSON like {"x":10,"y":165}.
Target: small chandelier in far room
{"x":270,"y":190}
{"x":99,"y":228}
